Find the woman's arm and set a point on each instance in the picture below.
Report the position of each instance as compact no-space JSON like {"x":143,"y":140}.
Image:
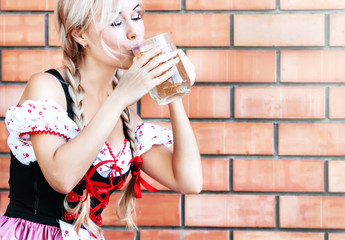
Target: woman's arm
{"x":65,"y":163}
{"x":179,"y":170}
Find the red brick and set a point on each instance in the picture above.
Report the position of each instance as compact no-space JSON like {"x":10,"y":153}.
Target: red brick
{"x":312,"y":212}
{"x":22,"y":30}
{"x":322,"y":66}
{"x":185,"y":235}
{"x":10,"y":96}
{"x":213,"y":29}
{"x":311,"y":4}
{"x":202,"y":102}
{"x":279,"y":30}
{"x":336,"y":102}
{"x":151,"y":209}
{"x":117,"y":234}
{"x":162,"y":5}
{"x":337,"y":30}
{"x":53,"y":37}
{"x":3,"y":138}
{"x":336,"y":236}
{"x":277,"y":175}
{"x":239,"y":235}
{"x":229,"y":210}
{"x":24,"y":5}
{"x":4,"y":200}
{"x":234,"y":138}
{"x":336,"y":177}
{"x":19,"y":65}
{"x":215,"y":174}
{"x":311,"y":139}
{"x":279,"y":102}
{"x":230,"y":5}
{"x":4,"y":171}
{"x":234,"y":65}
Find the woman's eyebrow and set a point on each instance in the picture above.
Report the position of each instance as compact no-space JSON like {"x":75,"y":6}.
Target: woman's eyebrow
{"x":133,"y":8}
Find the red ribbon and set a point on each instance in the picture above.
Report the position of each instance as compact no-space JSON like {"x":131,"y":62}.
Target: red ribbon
{"x":96,"y":188}
{"x":138,"y":162}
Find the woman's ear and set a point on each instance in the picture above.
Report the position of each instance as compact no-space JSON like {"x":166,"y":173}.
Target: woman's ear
{"x":79,"y":37}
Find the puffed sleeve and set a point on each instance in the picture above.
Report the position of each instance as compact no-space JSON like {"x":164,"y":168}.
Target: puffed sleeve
{"x":36,"y":117}
{"x":147,"y":135}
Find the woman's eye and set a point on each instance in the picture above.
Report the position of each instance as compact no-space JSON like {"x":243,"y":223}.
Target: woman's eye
{"x":116,"y":24}
{"x":136,"y":17}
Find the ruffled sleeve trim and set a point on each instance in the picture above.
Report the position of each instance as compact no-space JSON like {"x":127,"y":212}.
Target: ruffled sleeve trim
{"x":147,"y":135}
{"x":36,"y":117}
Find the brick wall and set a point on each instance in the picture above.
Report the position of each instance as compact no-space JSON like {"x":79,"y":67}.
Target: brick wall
{"x":267,"y":110}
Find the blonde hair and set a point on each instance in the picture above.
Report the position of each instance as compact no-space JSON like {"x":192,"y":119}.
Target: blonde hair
{"x":79,"y":14}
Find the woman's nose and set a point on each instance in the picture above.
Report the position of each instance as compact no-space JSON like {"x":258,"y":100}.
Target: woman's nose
{"x":131,"y":32}
{"x":131,"y":35}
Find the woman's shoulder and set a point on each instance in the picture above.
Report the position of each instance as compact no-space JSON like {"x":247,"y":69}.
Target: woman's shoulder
{"x":136,"y":119}
{"x":44,"y":86}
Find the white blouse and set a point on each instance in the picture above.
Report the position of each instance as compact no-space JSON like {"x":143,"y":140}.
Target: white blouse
{"x":48,"y":117}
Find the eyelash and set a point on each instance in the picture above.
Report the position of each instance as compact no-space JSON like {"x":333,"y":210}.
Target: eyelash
{"x":114,"y":24}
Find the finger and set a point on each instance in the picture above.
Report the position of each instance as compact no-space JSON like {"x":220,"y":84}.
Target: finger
{"x":168,"y":74}
{"x":147,"y":56}
{"x":164,"y":67}
{"x":160,"y":59}
{"x":185,"y":60}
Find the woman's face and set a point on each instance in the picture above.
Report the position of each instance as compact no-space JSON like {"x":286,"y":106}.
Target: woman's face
{"x":122,"y":35}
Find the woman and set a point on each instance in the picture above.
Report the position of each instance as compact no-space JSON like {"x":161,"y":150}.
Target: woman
{"x":63,"y":170}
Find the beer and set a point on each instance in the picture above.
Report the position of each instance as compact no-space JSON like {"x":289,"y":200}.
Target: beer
{"x":177,"y":85}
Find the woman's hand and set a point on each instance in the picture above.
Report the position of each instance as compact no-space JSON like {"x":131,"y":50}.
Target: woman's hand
{"x":151,"y":69}
{"x":188,"y":65}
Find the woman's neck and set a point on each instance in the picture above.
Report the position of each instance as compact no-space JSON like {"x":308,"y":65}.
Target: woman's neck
{"x":96,"y":78}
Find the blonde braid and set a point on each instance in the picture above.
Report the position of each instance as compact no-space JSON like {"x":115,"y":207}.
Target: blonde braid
{"x":126,"y":204}
{"x":77,"y":94}
{"x":72,"y":55}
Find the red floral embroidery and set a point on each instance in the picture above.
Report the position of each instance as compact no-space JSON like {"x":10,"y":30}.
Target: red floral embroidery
{"x":103,"y":151}
{"x":154,"y":137}
{"x":73,"y":197}
{"x":68,"y":216}
{"x":139,"y":126}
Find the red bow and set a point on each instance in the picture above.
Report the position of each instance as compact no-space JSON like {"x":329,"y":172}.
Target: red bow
{"x":97,"y":188}
{"x":137,"y":162}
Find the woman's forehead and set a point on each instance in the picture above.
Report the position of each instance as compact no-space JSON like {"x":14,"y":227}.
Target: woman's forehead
{"x":126,"y":5}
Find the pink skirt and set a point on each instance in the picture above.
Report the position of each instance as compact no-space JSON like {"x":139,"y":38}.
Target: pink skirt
{"x":17,"y":228}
